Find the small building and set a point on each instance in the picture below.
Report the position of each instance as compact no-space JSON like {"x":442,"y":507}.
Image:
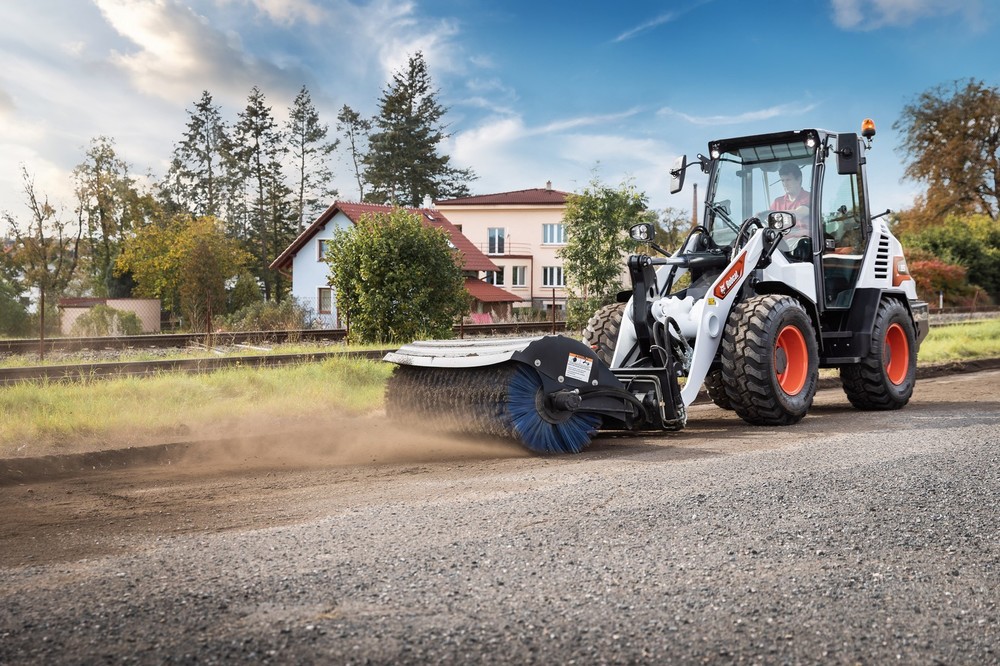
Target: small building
{"x":146,"y":309}
{"x":310,"y":274}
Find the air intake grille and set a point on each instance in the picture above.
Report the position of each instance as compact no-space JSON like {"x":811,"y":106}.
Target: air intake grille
{"x":882,"y":259}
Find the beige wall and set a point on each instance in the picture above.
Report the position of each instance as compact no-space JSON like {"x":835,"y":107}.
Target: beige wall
{"x":147,"y":309}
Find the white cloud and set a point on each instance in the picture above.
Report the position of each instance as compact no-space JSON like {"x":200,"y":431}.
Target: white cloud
{"x":873,"y":14}
{"x":289,"y":12}
{"x":648,"y":25}
{"x":749,"y":116}
{"x":509,"y":155}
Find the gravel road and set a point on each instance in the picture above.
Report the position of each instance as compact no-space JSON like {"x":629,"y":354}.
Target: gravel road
{"x":852,"y":537}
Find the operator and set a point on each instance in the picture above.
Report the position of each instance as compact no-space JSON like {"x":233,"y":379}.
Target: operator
{"x":795,"y":199}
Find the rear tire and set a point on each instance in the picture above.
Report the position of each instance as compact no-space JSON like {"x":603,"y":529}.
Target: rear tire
{"x":885,"y":378}
{"x":770,"y":361}
{"x":716,"y":389}
{"x":602,"y":330}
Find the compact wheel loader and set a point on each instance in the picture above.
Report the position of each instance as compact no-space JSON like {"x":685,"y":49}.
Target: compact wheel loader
{"x":778,"y":283}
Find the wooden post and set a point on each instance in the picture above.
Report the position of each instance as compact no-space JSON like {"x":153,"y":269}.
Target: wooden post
{"x":41,"y":324}
{"x":694,"y":207}
{"x":553,"y":312}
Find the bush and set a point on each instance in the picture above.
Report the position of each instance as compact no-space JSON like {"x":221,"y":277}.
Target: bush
{"x":103,"y":320}
{"x":14,"y":319}
{"x":288,"y":315}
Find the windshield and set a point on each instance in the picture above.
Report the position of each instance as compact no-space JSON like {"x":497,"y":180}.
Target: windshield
{"x":752,"y":180}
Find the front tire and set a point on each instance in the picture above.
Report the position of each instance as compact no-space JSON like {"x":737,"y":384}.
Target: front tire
{"x":885,"y":378}
{"x":602,"y":331}
{"x":770,"y":360}
{"x":716,"y":389}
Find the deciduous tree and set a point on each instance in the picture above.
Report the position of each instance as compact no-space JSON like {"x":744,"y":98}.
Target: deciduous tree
{"x":951,"y":135}
{"x":185,"y":262}
{"x":597,"y":241}
{"x":395,"y":279}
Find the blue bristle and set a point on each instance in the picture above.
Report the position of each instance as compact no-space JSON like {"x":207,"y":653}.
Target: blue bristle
{"x":536,"y":433}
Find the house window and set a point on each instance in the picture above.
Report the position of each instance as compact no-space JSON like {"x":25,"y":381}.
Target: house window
{"x":325,"y":300}
{"x":322,"y":246}
{"x":517,"y":276}
{"x":495,"y":277}
{"x":553,"y":234}
{"x":552,"y":276}
{"x":496,"y":235}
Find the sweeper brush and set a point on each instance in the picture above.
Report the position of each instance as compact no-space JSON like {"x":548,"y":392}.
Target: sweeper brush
{"x":550,"y":393}
{"x":790,"y":273}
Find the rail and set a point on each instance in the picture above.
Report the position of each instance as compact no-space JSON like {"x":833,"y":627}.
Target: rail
{"x":180,"y":340}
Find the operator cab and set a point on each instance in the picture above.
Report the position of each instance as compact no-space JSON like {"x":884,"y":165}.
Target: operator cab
{"x":814,"y":175}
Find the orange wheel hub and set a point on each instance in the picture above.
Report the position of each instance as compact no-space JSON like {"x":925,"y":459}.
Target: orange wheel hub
{"x":791,"y":360}
{"x":896,"y":350}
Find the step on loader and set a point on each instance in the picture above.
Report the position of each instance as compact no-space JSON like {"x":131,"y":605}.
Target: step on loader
{"x":791,"y":272}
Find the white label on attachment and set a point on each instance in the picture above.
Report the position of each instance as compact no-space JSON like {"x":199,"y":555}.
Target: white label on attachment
{"x":578,"y":367}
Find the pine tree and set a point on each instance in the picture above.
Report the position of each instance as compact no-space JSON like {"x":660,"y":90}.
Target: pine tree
{"x":257,"y":151}
{"x":356,"y":130}
{"x":195,"y":180}
{"x":403,"y":164}
{"x":311,"y":152}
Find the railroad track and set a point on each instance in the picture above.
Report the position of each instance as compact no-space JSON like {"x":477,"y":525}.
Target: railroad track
{"x":180,"y":340}
{"x":86,"y":371}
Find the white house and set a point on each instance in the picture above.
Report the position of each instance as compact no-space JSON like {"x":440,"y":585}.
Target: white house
{"x":310,"y":274}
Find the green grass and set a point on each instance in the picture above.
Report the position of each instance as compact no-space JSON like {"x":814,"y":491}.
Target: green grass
{"x":54,"y":417}
{"x":961,"y":342}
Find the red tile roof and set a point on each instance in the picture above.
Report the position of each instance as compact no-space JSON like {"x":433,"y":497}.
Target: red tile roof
{"x":487,"y":293}
{"x":535,"y":196}
{"x":473,"y":258}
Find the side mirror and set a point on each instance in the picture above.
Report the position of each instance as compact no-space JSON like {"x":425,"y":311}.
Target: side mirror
{"x":848,"y":160}
{"x":677,"y":174}
{"x":780,"y":220}
{"x":642,"y":233}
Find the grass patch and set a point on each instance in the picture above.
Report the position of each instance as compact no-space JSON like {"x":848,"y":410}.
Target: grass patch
{"x":53,"y":417}
{"x":961,"y":342}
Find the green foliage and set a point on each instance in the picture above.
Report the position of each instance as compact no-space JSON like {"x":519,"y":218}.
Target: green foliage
{"x":972,"y":242}
{"x":103,"y":320}
{"x":403,"y":165}
{"x":396,"y":280}
{"x":14,"y":320}
{"x":597,"y":242}
{"x":246,"y":291}
{"x":355,"y":130}
{"x":672,"y":226}
{"x":185,"y":262}
{"x":288,"y":315}
{"x":196,"y":178}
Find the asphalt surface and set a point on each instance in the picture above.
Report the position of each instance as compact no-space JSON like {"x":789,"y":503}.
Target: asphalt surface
{"x":853,"y":537}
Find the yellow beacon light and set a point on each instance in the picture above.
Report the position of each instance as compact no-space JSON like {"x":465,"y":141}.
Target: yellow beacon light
{"x":868,"y":128}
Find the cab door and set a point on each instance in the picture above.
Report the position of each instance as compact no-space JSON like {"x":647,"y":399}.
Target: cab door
{"x":843,"y":234}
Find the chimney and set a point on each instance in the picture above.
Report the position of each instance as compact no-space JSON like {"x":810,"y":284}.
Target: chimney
{"x":548,"y":185}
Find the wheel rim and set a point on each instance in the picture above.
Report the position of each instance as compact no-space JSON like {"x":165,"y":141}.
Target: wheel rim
{"x":791,"y":360}
{"x":897,"y":354}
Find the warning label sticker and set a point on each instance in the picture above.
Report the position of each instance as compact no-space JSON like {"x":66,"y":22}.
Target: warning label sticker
{"x":578,"y":367}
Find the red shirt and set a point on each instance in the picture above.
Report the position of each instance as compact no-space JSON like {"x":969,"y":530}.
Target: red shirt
{"x":784,"y":202}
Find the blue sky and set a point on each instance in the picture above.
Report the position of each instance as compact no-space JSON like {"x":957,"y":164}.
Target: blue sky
{"x":537,"y":91}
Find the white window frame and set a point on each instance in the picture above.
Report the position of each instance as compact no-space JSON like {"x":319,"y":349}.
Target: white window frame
{"x":518,"y":271}
{"x":554,"y":234}
{"x":319,"y":300}
{"x":320,"y":243}
{"x":496,"y":241}
{"x":553,"y":277}
{"x":496,"y":277}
